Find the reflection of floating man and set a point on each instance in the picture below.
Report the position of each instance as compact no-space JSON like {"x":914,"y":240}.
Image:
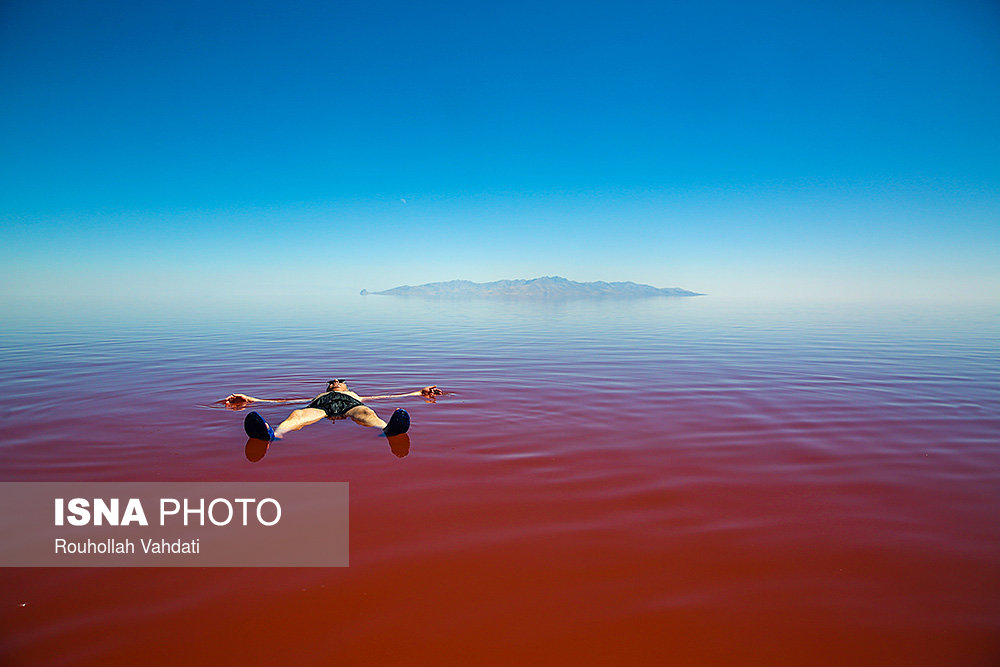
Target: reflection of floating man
{"x":337,"y":402}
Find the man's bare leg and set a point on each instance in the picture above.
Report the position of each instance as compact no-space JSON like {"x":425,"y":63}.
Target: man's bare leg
{"x":398,"y":424}
{"x":362,"y":414}
{"x":298,"y":419}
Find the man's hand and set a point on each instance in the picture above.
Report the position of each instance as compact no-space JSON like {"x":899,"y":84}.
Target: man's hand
{"x":238,"y":399}
{"x":430,"y":393}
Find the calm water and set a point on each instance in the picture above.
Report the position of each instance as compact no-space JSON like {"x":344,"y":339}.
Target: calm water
{"x":679,"y":481}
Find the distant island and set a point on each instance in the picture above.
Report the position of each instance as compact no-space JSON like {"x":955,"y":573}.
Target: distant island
{"x":547,"y":287}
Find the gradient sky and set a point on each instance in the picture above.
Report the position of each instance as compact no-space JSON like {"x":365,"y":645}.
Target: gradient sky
{"x":810,"y":149}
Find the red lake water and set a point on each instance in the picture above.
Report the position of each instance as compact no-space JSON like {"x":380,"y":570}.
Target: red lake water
{"x":659,"y":481}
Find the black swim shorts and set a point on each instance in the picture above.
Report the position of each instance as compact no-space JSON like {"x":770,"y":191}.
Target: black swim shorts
{"x":334,"y":403}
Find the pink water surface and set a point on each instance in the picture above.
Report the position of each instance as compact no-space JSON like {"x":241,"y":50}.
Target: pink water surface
{"x":666,"y":481}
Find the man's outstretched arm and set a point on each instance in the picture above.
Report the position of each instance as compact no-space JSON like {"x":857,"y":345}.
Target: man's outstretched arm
{"x":243,"y":399}
{"x":426,"y":392}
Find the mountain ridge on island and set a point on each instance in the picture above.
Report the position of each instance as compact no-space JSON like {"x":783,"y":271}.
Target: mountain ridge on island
{"x":546,"y":287}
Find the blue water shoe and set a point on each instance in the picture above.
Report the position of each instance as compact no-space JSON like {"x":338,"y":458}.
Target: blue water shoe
{"x":399,"y":422}
{"x":256,"y":427}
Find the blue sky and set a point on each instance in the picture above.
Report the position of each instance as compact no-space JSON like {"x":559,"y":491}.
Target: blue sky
{"x":741,"y":149}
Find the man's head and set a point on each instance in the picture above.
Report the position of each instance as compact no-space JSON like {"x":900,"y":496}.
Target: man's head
{"x":336,"y":385}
